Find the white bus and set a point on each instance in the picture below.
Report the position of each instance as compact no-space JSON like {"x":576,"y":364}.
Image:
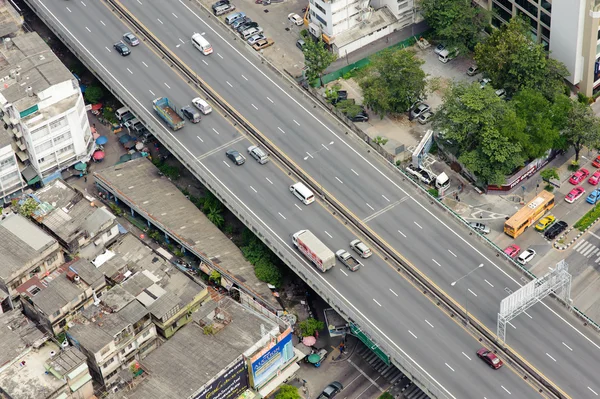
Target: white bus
{"x":201,"y":44}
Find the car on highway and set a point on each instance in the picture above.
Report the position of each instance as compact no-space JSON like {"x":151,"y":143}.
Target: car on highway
{"x":439,"y":48}
{"x":596,"y":163}
{"x":262,"y":44}
{"x":574,"y":194}
{"x":555,"y":230}
{"x":202,"y":105}
{"x":418,"y":110}
{"x":259,"y":154}
{"x":424,"y":117}
{"x":473,"y":70}
{"x":191,"y":114}
{"x":131,"y":39}
{"x":490,"y":358}
{"x":595,"y":178}
{"x":545,"y":222}
{"x":526,"y":256}
{"x":331,"y":390}
{"x":236,"y":157}
{"x":122,"y":48}
{"x":480,"y":227}
{"x":593,"y":197}
{"x":579,"y":176}
{"x":253,"y":39}
{"x":361,"y":248}
{"x":295,"y":19}
{"x":512,"y":250}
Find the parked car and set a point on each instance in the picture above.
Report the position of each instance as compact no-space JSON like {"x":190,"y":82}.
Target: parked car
{"x":574,"y":194}
{"x":362,"y":116}
{"x":424,"y":117}
{"x":596,"y":163}
{"x":439,"y":48}
{"x":555,"y":230}
{"x":256,"y":30}
{"x":480,"y":227}
{"x":236,"y":157}
{"x":219,"y":4}
{"x":418,"y":110}
{"x":490,"y":358}
{"x":512,"y":250}
{"x":545,"y":222}
{"x":595,"y":178}
{"x":122,"y":49}
{"x":526,"y":256}
{"x":300,"y":44}
{"x":361,"y":248}
{"x":130,"y":39}
{"x":246,"y":25}
{"x":241,"y":22}
{"x":484,"y":82}
{"x":593,"y":197}
{"x":262,"y":44}
{"x":579,"y":176}
{"x":420,"y":174}
{"x":295,"y":19}
{"x":341,"y":96}
{"x":254,"y":39}
{"x":331,"y":390}
{"x":501,"y":93}
{"x":473,"y":70}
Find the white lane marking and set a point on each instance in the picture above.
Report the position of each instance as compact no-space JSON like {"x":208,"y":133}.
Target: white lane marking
{"x":83,"y":4}
{"x":168,"y":87}
{"x":254,"y":107}
{"x":436,"y":262}
{"x":392,"y":291}
{"x":244,"y":77}
{"x":215,"y":130}
{"x":354,"y":172}
{"x":324,"y":146}
{"x":385,"y":198}
{"x":181,"y":40}
{"x":447,"y":365}
{"x":411,"y":333}
{"x":253,"y":189}
{"x":226,"y":164}
{"x":175,"y":15}
{"x":338,"y":179}
{"x":68,"y":9}
{"x":330,"y":236}
{"x":376,"y":302}
{"x":342,"y":270}
{"x":298,"y":207}
{"x":568,"y":347}
{"x":467,"y":356}
{"x":269,"y":180}
{"x":151,"y":92}
{"x":219,"y":54}
{"x":506,"y":389}
{"x":280,"y":129}
{"x":296,"y":122}
{"x":453,"y":254}
{"x":146,"y":65}
{"x":102,"y":22}
{"x":284,"y":218}
{"x":431,"y":325}
{"x":159,"y":21}
{"x":139,"y":1}
{"x":130,"y":71}
{"x":490,"y":284}
{"x":370,"y":206}
{"x":230,"y":85}
{"x":472,"y":292}
{"x":418,"y":225}
{"x":594,"y":392}
{"x":511,"y":324}
{"x":270,"y":100}
{"x":107,"y":49}
{"x":547,"y":354}
{"x":309,"y":154}
{"x":88,"y":29}
{"x":527,"y":314}
{"x":205,"y":63}
{"x":199,"y":138}
{"x":403,"y":235}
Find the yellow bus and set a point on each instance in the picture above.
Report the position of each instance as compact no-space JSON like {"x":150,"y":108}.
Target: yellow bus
{"x":529,"y":214}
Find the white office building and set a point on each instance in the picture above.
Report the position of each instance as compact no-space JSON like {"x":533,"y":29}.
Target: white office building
{"x":42,"y":113}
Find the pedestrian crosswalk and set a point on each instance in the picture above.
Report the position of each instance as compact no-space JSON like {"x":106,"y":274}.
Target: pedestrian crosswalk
{"x":587,"y":249}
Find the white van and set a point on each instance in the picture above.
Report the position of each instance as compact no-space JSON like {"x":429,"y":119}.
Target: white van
{"x":303,"y":193}
{"x":201,"y":44}
{"x":121,"y":111}
{"x":446,"y":55}
{"x":202,"y":105}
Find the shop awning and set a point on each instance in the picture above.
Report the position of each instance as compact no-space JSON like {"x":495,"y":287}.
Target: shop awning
{"x":30,"y":175}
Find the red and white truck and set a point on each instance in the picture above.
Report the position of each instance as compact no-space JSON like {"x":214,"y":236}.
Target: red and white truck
{"x":317,"y":252}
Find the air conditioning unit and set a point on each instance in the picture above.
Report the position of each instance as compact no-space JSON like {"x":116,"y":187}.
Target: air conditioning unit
{"x":314,"y":29}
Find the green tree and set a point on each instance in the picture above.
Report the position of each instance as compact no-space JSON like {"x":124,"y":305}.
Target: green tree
{"x":215,"y":277}
{"x":549,"y":174}
{"x":393,"y":81}
{"x":265,"y":270}
{"x":582,"y":128}
{"x":386,"y":395}
{"x":215,"y":215}
{"x":309,"y":326}
{"x":266,"y":264}
{"x":288,"y":392}
{"x":93,"y":94}
{"x":27,"y":207}
{"x":316,"y":58}
{"x":349,"y":108}
{"x":456,"y":22}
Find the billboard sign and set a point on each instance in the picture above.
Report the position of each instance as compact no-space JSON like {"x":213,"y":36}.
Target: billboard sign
{"x":270,"y":362}
{"x":228,"y":385}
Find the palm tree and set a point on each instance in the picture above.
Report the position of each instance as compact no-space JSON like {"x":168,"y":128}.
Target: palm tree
{"x":214,"y":215}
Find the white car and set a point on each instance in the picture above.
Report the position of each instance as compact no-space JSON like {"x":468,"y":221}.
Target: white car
{"x":295,"y":19}
{"x":254,"y":39}
{"x":526,"y":256}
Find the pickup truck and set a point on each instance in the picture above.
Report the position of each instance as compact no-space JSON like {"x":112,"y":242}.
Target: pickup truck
{"x":348,"y":260}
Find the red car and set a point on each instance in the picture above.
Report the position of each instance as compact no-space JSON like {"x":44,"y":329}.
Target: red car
{"x":595,"y":178}
{"x":596,"y":163}
{"x":579,"y":176}
{"x":512,"y":250}
{"x":574,"y":194}
{"x":490,"y":358}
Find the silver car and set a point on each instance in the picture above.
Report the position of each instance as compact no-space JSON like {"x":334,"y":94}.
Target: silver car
{"x":130,"y":39}
{"x":259,"y":154}
{"x":480,"y":227}
{"x":255,"y":38}
{"x":361,"y":248}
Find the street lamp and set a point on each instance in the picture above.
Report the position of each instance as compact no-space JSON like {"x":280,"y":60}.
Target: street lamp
{"x":320,"y":169}
{"x":466,"y":288}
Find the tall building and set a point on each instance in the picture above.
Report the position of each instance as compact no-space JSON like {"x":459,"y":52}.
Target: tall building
{"x":45,"y":127}
{"x":572,"y":36}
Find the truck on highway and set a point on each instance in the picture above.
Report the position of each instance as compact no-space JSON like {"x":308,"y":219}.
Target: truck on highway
{"x":311,"y":247}
{"x":168,"y":113}
{"x":348,"y":260}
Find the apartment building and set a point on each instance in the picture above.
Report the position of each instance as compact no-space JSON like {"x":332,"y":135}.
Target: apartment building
{"x":570,"y":29}
{"x":43,"y":114}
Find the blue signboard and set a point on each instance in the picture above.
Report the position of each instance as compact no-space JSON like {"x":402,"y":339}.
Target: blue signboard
{"x":267,"y":365}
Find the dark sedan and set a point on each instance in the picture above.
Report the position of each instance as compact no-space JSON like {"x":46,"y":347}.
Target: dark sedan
{"x":236,"y":157}
{"x":122,"y":48}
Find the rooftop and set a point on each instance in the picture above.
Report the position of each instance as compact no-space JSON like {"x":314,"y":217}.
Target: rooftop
{"x":10,"y":21}
{"x":138,"y":183}
{"x":17,"y":335}
{"x":22,"y":243}
{"x":379,"y":19}
{"x":190,"y":358}
{"x":67,"y":360}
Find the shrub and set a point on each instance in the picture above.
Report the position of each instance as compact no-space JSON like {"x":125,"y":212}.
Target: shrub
{"x":549,"y":188}
{"x":587,"y":219}
{"x":386,"y":395}
{"x":433,"y":192}
{"x":309,"y":326}
{"x":288,"y":392}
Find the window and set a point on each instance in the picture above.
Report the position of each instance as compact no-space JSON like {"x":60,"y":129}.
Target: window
{"x":111,"y":360}
{"x":545,"y":19}
{"x":546,"y":6}
{"x":45,"y":146}
{"x":527,"y":6}
{"x":34,"y":272}
{"x":506,"y":3}
{"x":39,"y":133}
{"x":321,"y":20}
{"x":10,"y":161}
{"x":321,"y":9}
{"x":104,"y":351}
{"x":62,"y":138}
{"x":502,"y":13}
{"x":59,"y":123}
{"x":33,"y":290}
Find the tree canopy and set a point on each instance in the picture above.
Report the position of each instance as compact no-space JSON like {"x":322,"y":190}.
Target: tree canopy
{"x":288,"y":392}
{"x":393,"y":81}
{"x":582,"y":128}
{"x":316,"y":58}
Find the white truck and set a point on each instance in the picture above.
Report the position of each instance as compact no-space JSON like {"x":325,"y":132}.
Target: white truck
{"x":311,"y":247}
{"x":348,"y":260}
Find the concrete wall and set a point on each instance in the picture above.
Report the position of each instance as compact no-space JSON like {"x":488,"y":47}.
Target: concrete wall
{"x":566,"y":36}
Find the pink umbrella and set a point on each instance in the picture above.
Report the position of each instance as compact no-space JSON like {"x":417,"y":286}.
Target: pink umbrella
{"x":309,"y":341}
